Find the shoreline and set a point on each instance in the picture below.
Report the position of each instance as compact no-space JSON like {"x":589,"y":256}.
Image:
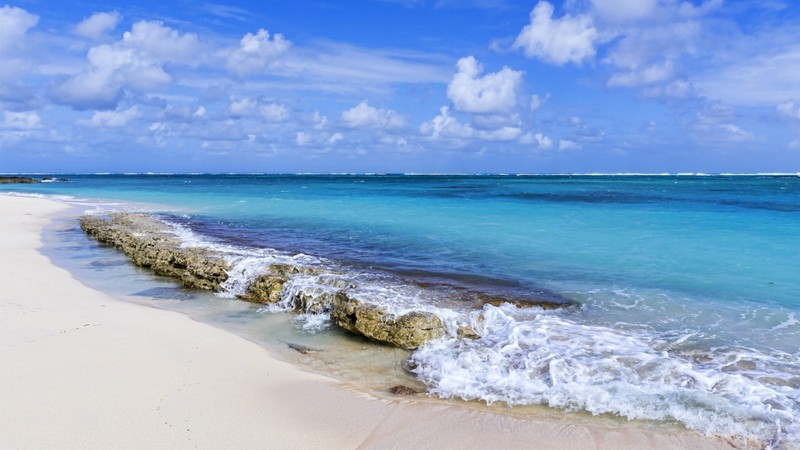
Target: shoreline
{"x":88,"y":370}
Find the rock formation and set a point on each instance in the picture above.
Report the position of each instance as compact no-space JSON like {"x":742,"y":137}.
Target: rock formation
{"x":374,"y":322}
{"x":151,"y":243}
{"x":10,"y":180}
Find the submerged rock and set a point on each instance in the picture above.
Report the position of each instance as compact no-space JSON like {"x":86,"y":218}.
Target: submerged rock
{"x":151,"y":243}
{"x":403,"y":390}
{"x":407,"y":331}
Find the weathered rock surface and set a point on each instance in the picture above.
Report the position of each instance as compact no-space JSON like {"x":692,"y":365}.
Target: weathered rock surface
{"x":150,"y":243}
{"x":374,"y":322}
{"x":10,"y":180}
{"x":267,"y":288}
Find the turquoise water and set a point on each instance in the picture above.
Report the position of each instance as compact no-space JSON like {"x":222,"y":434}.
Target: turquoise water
{"x":689,"y":285}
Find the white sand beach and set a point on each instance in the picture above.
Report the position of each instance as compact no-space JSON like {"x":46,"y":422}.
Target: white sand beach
{"x":81,"y":369}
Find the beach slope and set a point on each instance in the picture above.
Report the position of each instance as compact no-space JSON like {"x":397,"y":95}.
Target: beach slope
{"x":80,"y":369}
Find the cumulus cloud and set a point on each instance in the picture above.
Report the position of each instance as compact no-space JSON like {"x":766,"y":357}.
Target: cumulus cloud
{"x":134,"y":63}
{"x":242,"y":107}
{"x":557,"y":41}
{"x":14,"y":23}
{"x":21,"y":120}
{"x":162,"y":44}
{"x":492,"y":93}
{"x":446,"y":127}
{"x":112,"y":119}
{"x":256,"y":52}
{"x":274,"y":112}
{"x":543,"y":142}
{"x":97,"y":25}
{"x":110,"y":71}
{"x":365,"y":116}
{"x":566,"y":145}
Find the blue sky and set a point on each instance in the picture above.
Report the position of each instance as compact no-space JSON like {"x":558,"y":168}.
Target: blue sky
{"x":400,"y":86}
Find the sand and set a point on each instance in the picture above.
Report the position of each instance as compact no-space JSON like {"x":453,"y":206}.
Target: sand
{"x":82,"y":369}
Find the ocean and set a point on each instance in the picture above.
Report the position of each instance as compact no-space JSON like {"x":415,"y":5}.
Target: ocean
{"x":687,"y":287}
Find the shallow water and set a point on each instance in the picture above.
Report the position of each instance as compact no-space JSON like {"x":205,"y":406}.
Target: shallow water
{"x":688,"y":285}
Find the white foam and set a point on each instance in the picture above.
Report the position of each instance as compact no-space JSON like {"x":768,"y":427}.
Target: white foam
{"x":548,"y":359}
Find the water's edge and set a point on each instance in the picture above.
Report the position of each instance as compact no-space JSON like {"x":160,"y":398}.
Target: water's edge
{"x":357,"y":363}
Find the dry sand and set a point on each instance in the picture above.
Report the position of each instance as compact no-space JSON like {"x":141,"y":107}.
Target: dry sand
{"x":81,"y":369}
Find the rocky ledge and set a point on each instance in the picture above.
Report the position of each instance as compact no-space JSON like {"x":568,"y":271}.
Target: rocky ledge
{"x":151,"y":243}
{"x":10,"y":180}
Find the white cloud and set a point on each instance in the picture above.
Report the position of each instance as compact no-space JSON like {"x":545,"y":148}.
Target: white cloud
{"x":714,"y":123}
{"x":21,"y":120}
{"x":651,"y":74}
{"x":365,"y":116}
{"x":492,"y":93}
{"x":736,"y":134}
{"x":789,"y":110}
{"x":256,"y":52}
{"x":110,"y":70}
{"x":133,"y":63}
{"x":445,"y":126}
{"x":163,"y":44}
{"x":112,"y":119}
{"x":199,"y":112}
{"x":543,"y":142}
{"x":302,"y":138}
{"x":557,"y":41}
{"x":567,"y":145}
{"x":14,"y":23}
{"x":500,"y":134}
{"x":335,"y":137}
{"x":274,"y":112}
{"x":320,"y":121}
{"x":97,"y":25}
{"x":537,"y":101}
{"x":242,"y":107}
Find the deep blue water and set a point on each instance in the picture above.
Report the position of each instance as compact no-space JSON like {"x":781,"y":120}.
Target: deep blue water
{"x":692,"y":282}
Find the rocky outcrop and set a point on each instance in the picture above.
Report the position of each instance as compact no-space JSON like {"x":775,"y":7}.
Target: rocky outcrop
{"x":374,"y":322}
{"x":151,"y":243}
{"x":10,"y":180}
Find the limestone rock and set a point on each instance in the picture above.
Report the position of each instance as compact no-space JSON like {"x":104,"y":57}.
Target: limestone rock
{"x":407,"y":331}
{"x":150,"y":243}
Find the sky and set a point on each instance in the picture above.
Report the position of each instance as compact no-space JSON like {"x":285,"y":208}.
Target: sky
{"x":432,"y":86}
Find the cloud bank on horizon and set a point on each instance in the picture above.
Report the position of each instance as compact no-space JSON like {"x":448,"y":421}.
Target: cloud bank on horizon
{"x":401,"y":86}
